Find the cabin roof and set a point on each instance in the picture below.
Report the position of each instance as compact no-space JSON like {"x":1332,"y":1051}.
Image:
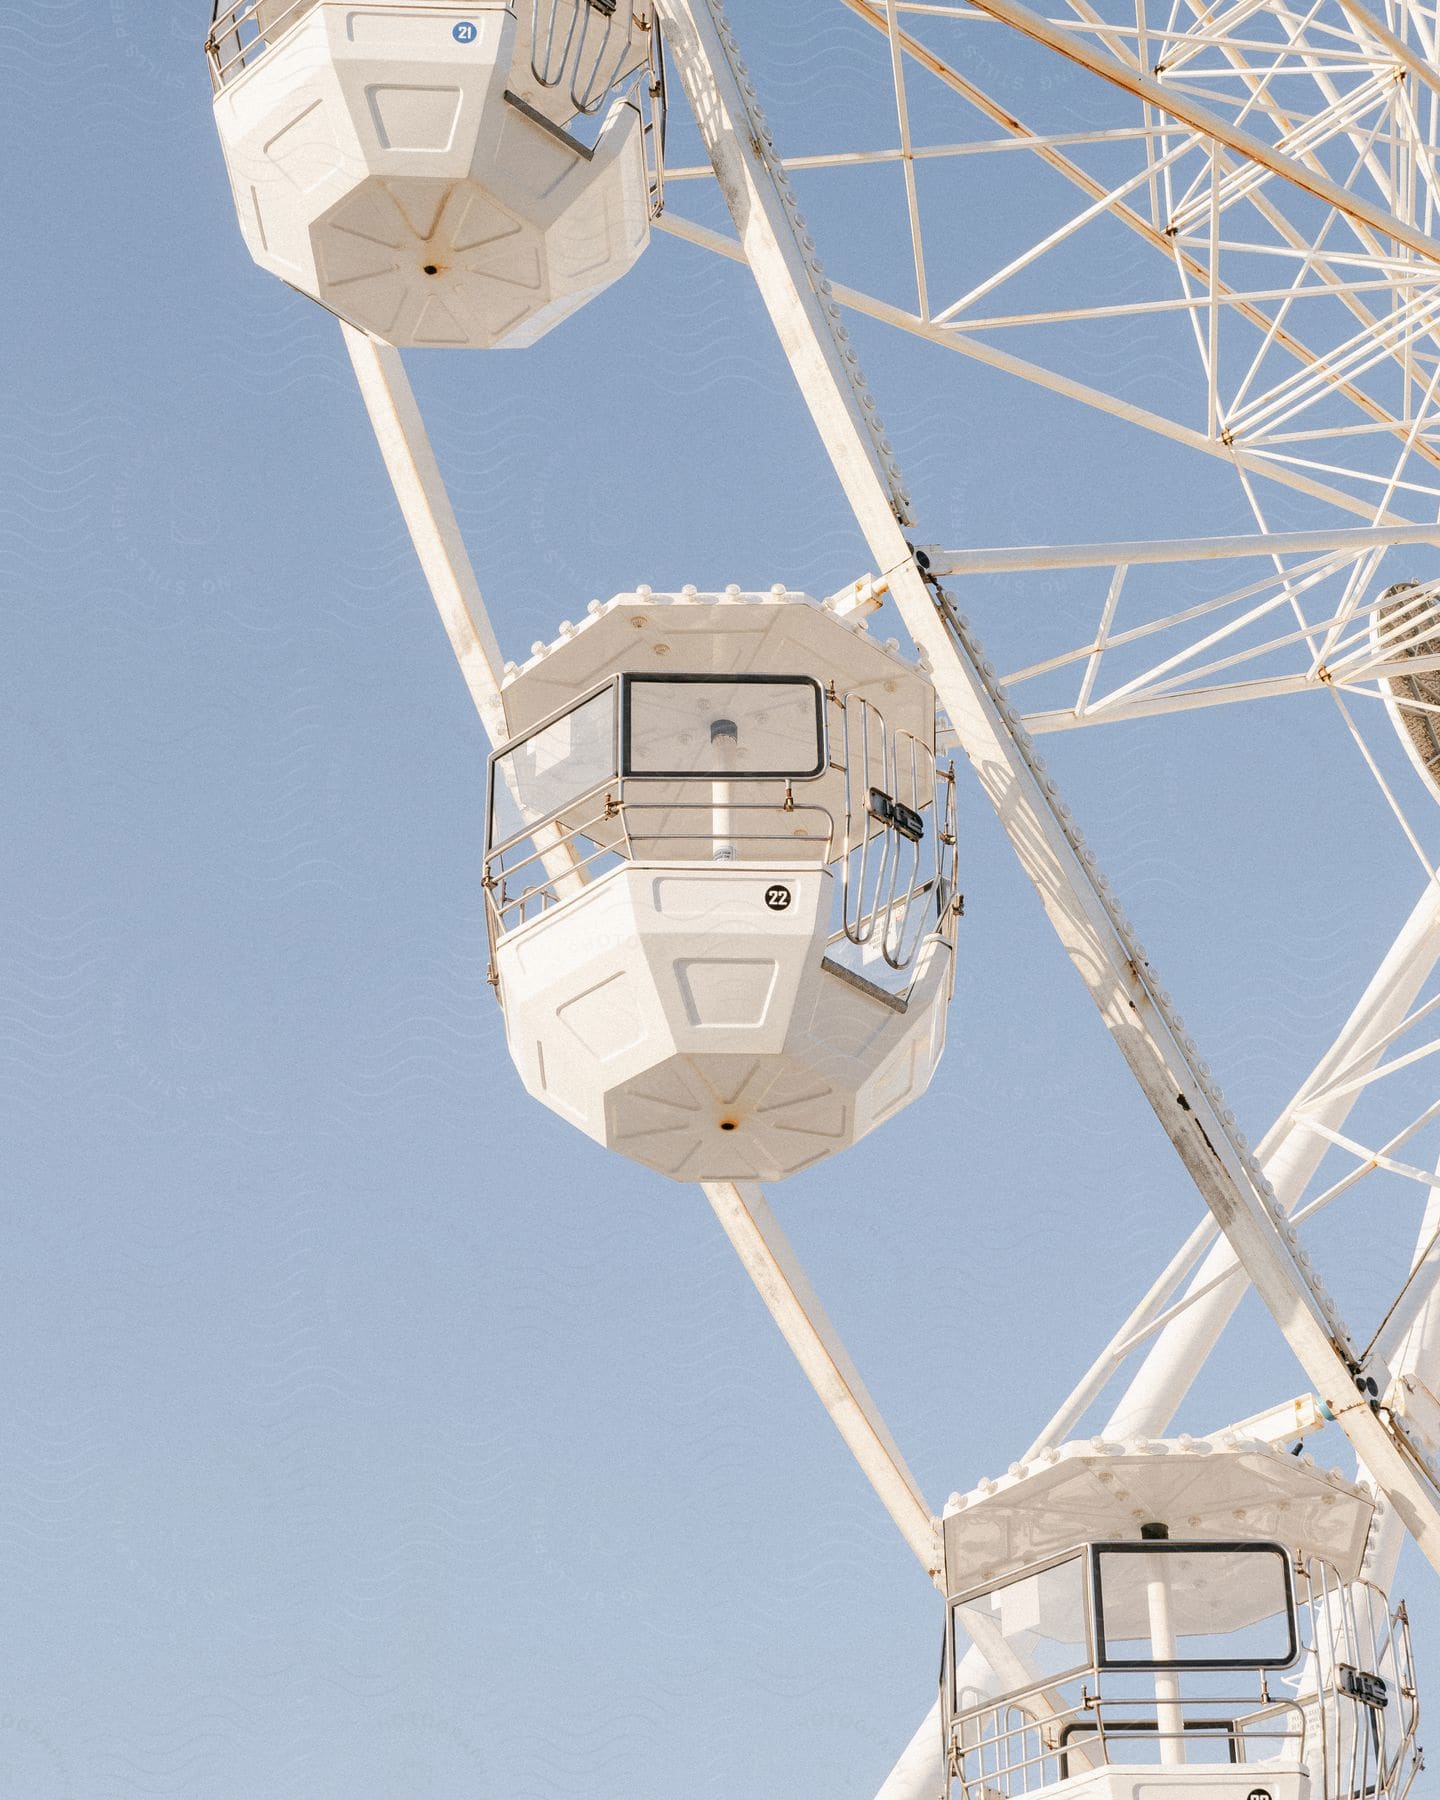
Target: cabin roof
{"x":1204,"y":1489}
{"x":776,"y":632}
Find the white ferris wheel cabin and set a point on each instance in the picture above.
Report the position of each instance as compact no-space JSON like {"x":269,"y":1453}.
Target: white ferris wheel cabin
{"x":721,"y":880}
{"x":410,"y":166}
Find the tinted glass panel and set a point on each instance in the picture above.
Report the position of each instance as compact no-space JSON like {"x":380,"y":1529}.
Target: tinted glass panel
{"x":1022,"y":1634}
{"x":1194,"y":1604}
{"x":716,"y":729}
{"x":546,"y":773}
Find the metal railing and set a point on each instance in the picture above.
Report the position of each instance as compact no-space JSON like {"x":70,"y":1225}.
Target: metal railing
{"x":896,"y":845}
{"x":245,"y":30}
{"x":1054,"y":1731}
{"x":894,"y":801}
{"x":1351,"y":1720}
{"x":1366,"y":1714}
{"x":812,"y":848}
{"x":897,"y":852}
{"x":544,"y":863}
{"x":585,"y":46}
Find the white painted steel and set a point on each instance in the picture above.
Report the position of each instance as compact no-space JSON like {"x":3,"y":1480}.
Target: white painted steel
{"x":1290,"y":1153}
{"x":1409,"y":1337}
{"x":1089,"y":924}
{"x":1212,"y":124}
{"x":1415,"y":1389}
{"x":772,"y":1265}
{"x":1155,"y":706}
{"x":1355,"y":642}
{"x":1141,"y":1318}
{"x":430,"y":519}
{"x":920,"y":1772}
{"x":1218,"y":220}
{"x":1069,"y":387}
{"x":1026,"y":557}
{"x":391,"y":172}
{"x":1283,"y":1425}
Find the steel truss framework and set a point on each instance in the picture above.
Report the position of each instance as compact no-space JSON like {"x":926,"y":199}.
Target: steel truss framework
{"x":1278,"y":165}
{"x":1266,"y":176}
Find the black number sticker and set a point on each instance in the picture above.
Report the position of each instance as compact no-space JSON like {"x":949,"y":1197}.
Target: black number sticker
{"x":777,"y":898}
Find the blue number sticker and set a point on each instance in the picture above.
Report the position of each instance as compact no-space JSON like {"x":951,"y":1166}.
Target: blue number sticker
{"x":464,"y":32}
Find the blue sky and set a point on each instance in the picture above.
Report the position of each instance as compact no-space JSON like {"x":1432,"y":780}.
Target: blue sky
{"x":368,"y":1432}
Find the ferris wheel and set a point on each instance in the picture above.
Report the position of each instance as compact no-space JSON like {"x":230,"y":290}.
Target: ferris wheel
{"x":723,"y":857}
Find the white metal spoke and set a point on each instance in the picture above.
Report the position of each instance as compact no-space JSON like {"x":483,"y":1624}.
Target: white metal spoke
{"x":1291,"y":1152}
{"x":1302,"y":578}
{"x":768,"y":1259}
{"x":1092,"y":662}
{"x":1381,"y":1159}
{"x":1369,"y":1160}
{"x":912,"y":202}
{"x":1262,"y":155}
{"x":1106,"y":203}
{"x":944,"y":562}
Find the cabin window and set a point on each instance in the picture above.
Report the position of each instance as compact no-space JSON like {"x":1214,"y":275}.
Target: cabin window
{"x":737,"y":727}
{"x":1026,"y":1634}
{"x":1193,"y":1606}
{"x":545,"y":774}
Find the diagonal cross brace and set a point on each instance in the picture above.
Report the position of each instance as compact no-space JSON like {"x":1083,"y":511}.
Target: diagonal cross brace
{"x":1088,"y":921}
{"x":1200,"y":118}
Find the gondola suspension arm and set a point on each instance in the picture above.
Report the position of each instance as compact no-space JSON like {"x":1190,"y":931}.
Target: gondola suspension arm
{"x":741,"y":1208}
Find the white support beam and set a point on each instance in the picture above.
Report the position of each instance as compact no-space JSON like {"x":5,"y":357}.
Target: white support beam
{"x":1290,"y":1153}
{"x":920,"y":1772}
{"x":1143,"y":1316}
{"x":1279,"y":1425}
{"x":425,"y":504}
{"x":1025,"y":558}
{"x":772,"y":1265}
{"x":1417,"y":1372}
{"x":420,"y":489}
{"x":747,"y":1219}
{"x":1416,"y":1300}
{"x":1153,"y":706}
{"x":1092,"y":930}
